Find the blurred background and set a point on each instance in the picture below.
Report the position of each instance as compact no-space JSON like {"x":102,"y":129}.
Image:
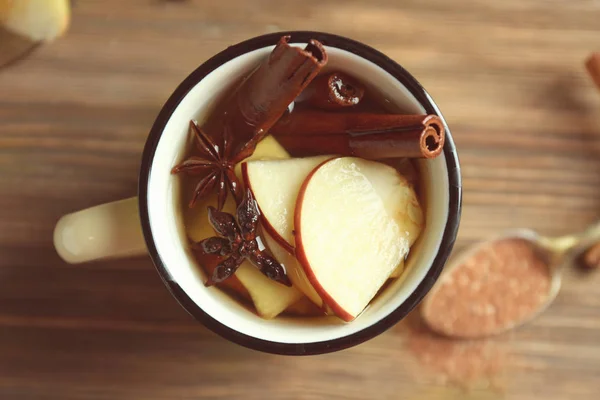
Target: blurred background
{"x":508,"y":76}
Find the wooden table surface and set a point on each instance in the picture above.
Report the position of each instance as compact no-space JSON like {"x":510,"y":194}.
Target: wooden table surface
{"x":74,"y":115}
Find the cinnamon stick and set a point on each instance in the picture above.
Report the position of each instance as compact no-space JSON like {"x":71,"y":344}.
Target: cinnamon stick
{"x":234,"y":128}
{"x":372,"y":136}
{"x":332,"y":91}
{"x":266,"y":94}
{"x":593,"y":66}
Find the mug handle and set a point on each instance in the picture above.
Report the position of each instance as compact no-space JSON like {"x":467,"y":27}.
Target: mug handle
{"x":109,"y":230}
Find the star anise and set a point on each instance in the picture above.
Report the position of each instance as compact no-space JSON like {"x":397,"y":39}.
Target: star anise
{"x":215,"y":163}
{"x":239,"y":241}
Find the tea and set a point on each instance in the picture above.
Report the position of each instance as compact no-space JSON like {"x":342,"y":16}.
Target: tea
{"x":317,"y":223}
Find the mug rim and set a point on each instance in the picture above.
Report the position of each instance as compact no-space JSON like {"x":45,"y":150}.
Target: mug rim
{"x":448,"y":236}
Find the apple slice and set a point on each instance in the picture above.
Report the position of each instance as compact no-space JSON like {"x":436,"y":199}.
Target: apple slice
{"x":269,"y":297}
{"x":275,"y":185}
{"x":398,"y":196}
{"x":293,"y":269}
{"x":266,"y":149}
{"x":400,"y":200}
{"x":36,"y":20}
{"x":24,"y":24}
{"x":398,"y":271}
{"x":353,"y":230}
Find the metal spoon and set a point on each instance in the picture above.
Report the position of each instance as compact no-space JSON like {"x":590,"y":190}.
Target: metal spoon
{"x":557,"y":254}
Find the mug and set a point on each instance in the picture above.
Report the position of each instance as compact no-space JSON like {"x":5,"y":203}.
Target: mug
{"x":153,"y":222}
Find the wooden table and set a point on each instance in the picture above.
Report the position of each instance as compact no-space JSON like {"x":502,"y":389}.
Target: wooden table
{"x":74,"y":115}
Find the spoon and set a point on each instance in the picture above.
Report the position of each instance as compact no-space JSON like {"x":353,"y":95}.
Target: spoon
{"x":554,"y":254}
{"x":542,"y":258}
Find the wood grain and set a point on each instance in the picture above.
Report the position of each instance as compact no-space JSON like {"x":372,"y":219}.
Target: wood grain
{"x":74,"y":115}
{"x":13,"y":47}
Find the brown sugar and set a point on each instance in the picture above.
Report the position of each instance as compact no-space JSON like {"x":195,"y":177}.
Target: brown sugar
{"x":503,"y":283}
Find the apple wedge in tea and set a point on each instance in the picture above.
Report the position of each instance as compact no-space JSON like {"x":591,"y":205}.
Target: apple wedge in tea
{"x":275,"y":185}
{"x":346,"y":225}
{"x":350,"y":236}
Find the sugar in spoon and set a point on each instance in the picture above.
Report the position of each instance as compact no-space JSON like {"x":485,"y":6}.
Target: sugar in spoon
{"x":504,"y":282}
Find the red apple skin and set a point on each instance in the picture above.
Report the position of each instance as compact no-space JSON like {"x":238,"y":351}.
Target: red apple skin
{"x":301,"y":255}
{"x":265,"y":222}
